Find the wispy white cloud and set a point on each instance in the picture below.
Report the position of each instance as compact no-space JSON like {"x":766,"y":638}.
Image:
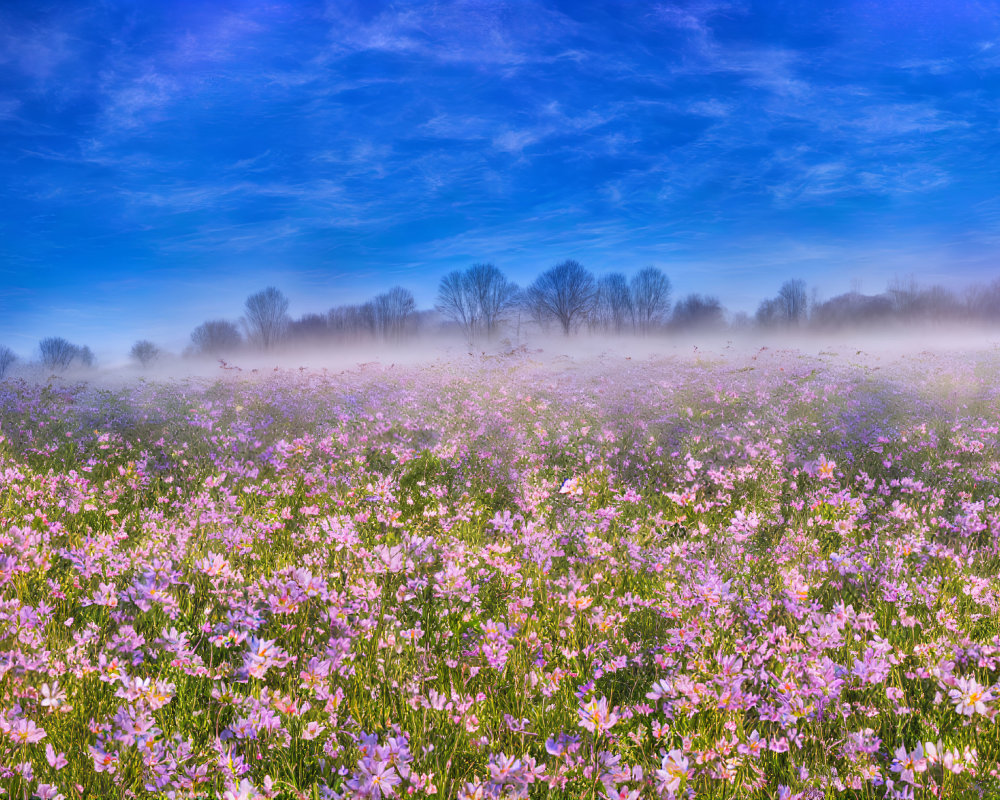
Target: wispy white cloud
{"x":552,"y":121}
{"x":257,"y":163}
{"x":900,"y":119}
{"x":697,"y":17}
{"x":512,"y":141}
{"x":454,"y":125}
{"x":35,"y":50}
{"x":710,"y":108}
{"x":459,"y":32}
{"x":137,"y":102}
{"x":358,"y":158}
{"x":197,"y":197}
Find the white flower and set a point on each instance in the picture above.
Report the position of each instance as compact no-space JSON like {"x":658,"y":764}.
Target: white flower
{"x":970,"y":698}
{"x":572,"y":487}
{"x":54,"y":697}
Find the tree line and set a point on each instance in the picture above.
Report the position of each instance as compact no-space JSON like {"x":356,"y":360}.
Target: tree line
{"x":55,"y":354}
{"x":903,"y":302}
{"x":481,"y":303}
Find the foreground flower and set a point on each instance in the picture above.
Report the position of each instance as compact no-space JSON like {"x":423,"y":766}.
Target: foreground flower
{"x":621,"y":793}
{"x":907,"y":764}
{"x":825,"y":469}
{"x":312,"y":730}
{"x":572,"y":487}
{"x":54,"y":697}
{"x":24,"y":731}
{"x":378,"y":779}
{"x":56,"y":760}
{"x":970,"y":698}
{"x":595,"y":717}
{"x":672,"y":771}
{"x":245,"y":791}
{"x":104,"y":761}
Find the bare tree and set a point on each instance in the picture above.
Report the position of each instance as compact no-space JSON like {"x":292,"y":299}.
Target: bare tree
{"x":368,"y":319}
{"x":768,"y":312}
{"x":216,"y":337}
{"x":85,"y":356}
{"x":614,"y":309}
{"x":392,"y":310}
{"x":493,"y":295}
{"x":351,"y":323}
{"x":695,"y":311}
{"x":57,"y":353}
{"x":309,"y":328}
{"x":903,"y":294}
{"x":789,"y":307}
{"x":740,"y":320}
{"x":145,"y":352}
{"x":479,"y":299}
{"x":266,"y":317}
{"x":793,"y":301}
{"x":456,"y":303}
{"x":929,"y":304}
{"x":7,"y":357}
{"x":852,"y":308}
{"x":937,"y":303}
{"x":983,"y":302}
{"x":565,"y":293}
{"x":650,"y":298}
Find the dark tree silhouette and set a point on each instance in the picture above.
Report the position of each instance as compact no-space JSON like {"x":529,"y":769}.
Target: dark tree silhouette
{"x":57,"y":353}
{"x":456,"y":303}
{"x":145,"y":352}
{"x":789,"y":307}
{"x":614,"y":309}
{"x":983,"y":302}
{"x":493,"y":294}
{"x":769,"y":312}
{"x":903,"y":293}
{"x":912,"y":302}
{"x":7,"y":357}
{"x":392,"y":310}
{"x":695,"y":311}
{"x":565,"y":293}
{"x":853,"y":309}
{"x":352,"y":323}
{"x":216,"y":337}
{"x":86,"y":356}
{"x":650,"y":298}
{"x":793,"y":301}
{"x":478,"y":300}
{"x":309,"y":328}
{"x":266,"y":317}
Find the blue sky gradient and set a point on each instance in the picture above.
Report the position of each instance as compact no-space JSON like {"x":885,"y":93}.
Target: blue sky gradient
{"x":162,"y":160}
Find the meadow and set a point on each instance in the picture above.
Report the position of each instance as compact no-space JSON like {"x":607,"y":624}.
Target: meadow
{"x":752,"y":575}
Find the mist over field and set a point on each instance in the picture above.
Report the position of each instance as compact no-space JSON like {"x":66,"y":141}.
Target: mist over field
{"x":874,"y":348}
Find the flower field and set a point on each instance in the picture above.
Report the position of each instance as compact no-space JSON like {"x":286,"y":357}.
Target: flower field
{"x":741,"y":577}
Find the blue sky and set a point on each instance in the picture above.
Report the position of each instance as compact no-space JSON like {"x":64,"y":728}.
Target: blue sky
{"x":162,"y":160}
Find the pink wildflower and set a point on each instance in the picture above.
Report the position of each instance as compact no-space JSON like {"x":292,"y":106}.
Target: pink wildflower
{"x":595,"y":717}
{"x":907,"y":764}
{"x":56,"y":760}
{"x":25,"y":731}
